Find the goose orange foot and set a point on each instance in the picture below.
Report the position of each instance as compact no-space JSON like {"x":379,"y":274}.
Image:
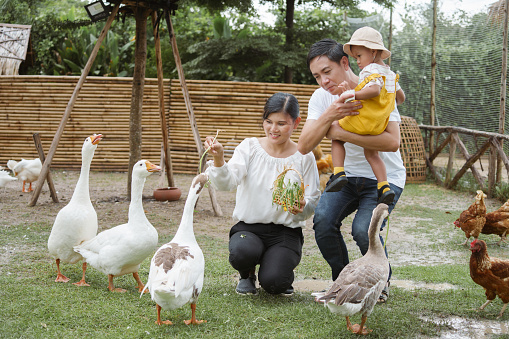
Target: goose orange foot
{"x":193,"y":320}
{"x":111,"y":287}
{"x":140,"y":286}
{"x":158,"y":321}
{"x":61,"y":278}
{"x":356,"y":328}
{"x":82,"y":281}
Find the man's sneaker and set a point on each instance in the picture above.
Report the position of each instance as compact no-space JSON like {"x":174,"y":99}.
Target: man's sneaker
{"x":289,"y":292}
{"x":247,"y":286}
{"x":336,"y":182}
{"x":387,"y":197}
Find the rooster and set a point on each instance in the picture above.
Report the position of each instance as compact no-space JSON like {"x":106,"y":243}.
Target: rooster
{"x":324,"y":165}
{"x":497,"y":222}
{"x":490,"y":273}
{"x":472,"y":220}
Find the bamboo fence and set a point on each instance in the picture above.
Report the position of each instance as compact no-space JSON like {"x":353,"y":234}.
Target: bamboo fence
{"x":36,"y":104}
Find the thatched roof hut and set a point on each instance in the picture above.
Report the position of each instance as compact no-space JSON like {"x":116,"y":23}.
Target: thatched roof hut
{"x":14,"y":43}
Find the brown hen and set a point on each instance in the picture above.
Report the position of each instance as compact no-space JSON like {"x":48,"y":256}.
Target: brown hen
{"x":472,"y":220}
{"x":497,"y":222}
{"x":490,"y":273}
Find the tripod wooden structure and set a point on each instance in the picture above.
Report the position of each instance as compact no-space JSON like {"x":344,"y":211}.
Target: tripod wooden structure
{"x":141,"y":11}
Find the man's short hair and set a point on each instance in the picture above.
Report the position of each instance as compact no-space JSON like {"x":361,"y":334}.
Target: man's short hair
{"x":328,"y":47}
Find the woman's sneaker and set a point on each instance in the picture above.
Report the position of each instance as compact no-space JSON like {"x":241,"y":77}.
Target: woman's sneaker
{"x":247,"y":286}
{"x":289,"y":292}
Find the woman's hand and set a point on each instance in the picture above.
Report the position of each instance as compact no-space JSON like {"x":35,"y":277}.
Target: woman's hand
{"x":216,"y":149}
{"x":296,"y":210}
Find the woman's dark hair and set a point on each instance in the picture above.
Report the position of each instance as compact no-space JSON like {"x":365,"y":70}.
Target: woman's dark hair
{"x":328,"y":47}
{"x":282,"y":102}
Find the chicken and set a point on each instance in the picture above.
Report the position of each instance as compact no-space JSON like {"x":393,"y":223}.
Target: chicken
{"x":497,"y":222}
{"x":472,"y":220}
{"x":324,"y":165}
{"x":490,"y":273}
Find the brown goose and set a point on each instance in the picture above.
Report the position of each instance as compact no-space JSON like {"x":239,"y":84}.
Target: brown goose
{"x":360,"y":283}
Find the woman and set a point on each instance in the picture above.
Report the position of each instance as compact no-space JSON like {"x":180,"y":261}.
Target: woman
{"x":265,"y":234}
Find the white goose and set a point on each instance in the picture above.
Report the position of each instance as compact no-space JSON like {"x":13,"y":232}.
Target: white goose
{"x":121,"y":249}
{"x":177,"y":268}
{"x":77,"y":221}
{"x":5,"y":178}
{"x":360,"y":283}
{"x":26,"y":170}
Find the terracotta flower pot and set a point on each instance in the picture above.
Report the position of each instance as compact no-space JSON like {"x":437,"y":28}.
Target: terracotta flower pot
{"x":167,"y":194}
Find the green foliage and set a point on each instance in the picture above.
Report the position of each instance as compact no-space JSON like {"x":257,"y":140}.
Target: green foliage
{"x":259,"y":53}
{"x":502,"y":191}
{"x":111,"y":60}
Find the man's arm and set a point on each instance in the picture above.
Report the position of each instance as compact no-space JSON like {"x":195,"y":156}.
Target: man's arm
{"x":387,"y":141}
{"x":315,"y":130}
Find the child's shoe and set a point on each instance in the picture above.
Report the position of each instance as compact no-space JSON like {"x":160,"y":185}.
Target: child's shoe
{"x":336,"y":182}
{"x":386,"y":197}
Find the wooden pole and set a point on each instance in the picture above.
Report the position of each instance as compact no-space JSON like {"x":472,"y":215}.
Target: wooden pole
{"x":40,"y":150}
{"x":183,"y":85}
{"x":135,"y":117}
{"x":433,"y":79}
{"x":70,"y":105}
{"x":160,"y":88}
{"x":390,"y":35}
{"x":190,"y":112}
{"x":503,"y":89}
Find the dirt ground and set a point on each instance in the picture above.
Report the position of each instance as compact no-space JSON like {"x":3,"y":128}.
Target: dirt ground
{"x":108,"y":194}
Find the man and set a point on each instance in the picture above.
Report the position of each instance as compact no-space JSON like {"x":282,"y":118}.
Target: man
{"x":331,"y":69}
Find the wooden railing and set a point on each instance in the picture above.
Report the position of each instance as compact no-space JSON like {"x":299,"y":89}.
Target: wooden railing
{"x":491,"y":144}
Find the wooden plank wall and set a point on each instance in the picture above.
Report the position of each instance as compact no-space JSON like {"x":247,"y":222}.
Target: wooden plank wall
{"x":36,"y":104}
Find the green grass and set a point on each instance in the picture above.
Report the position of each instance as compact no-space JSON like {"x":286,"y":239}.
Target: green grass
{"x":34,"y":306}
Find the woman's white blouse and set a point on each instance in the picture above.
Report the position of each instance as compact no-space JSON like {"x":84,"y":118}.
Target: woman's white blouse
{"x":252,"y":171}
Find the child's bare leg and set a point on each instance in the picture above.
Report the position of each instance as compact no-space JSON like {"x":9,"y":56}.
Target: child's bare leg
{"x":385,"y":194}
{"x":338,"y":178}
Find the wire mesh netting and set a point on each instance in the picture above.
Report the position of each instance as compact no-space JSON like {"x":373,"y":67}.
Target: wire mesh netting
{"x":469,"y":50}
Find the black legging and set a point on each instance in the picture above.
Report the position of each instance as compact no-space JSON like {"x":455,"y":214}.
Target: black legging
{"x":276,"y":248}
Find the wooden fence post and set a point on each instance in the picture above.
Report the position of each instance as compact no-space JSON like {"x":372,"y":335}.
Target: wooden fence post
{"x":40,"y":150}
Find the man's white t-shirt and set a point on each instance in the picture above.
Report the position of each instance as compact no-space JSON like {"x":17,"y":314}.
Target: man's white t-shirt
{"x":356,"y":164}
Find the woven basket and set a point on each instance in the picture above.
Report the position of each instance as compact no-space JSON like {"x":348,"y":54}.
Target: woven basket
{"x":282,"y":195}
{"x":412,"y":150}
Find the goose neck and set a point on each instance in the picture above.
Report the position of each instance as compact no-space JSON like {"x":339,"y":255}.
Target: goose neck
{"x":82,"y":186}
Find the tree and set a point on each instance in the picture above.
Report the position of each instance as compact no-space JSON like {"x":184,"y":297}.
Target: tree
{"x":289,"y":9}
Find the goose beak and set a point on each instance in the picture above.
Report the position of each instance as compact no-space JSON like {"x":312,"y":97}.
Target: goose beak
{"x":151,"y":167}
{"x":96,"y":138}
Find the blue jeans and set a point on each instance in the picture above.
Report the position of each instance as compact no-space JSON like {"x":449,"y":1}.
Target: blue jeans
{"x":333,"y":207}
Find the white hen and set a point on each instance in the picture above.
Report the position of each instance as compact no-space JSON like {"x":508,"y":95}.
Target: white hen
{"x":26,"y":170}
{"x":360,"y":283}
{"x":121,"y":249}
{"x":5,"y":178}
{"x":177,"y":268}
{"x":77,"y":221}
